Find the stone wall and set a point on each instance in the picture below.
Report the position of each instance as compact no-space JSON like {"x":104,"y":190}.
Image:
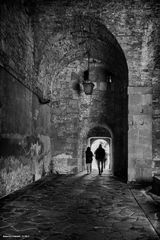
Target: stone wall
{"x":24,"y":122}
{"x":140,"y":134}
{"x":45,"y":51}
{"x":25,"y":140}
{"x":156,"y":94}
{"x":16,"y":44}
{"x":135,"y":26}
{"x":73,"y":114}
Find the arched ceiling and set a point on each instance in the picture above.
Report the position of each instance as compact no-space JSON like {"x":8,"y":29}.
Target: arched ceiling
{"x":80,"y":35}
{"x":99,"y":132}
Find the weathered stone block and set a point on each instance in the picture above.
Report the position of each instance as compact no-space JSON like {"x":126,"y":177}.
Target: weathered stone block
{"x":139,"y":90}
{"x":135,"y":99}
{"x":147,"y":109}
{"x":146,"y":99}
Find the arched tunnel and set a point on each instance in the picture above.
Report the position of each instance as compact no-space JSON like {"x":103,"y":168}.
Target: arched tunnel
{"x":63,"y":62}
{"x":43,"y":86}
{"x":76,"y":74}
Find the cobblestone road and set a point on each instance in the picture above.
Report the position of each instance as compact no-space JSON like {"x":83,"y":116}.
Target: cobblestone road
{"x":80,"y":207}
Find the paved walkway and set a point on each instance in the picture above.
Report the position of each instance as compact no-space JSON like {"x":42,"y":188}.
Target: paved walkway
{"x":80,"y":207}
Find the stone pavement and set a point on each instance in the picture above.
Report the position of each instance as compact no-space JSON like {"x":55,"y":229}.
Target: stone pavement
{"x":80,"y":207}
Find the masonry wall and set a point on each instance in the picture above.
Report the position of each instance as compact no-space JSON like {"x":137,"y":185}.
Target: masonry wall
{"x":74,"y":114}
{"x":24,"y":122}
{"x":135,"y":26}
{"x":156,"y":94}
{"x":40,"y":53}
{"x":16,"y":44}
{"x":25,"y":140}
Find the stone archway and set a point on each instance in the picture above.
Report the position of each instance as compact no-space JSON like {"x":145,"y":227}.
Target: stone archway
{"x":103,"y":135}
{"x":107,"y":145}
{"x":61,"y":70}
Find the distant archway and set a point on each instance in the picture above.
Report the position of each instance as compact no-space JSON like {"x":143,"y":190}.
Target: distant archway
{"x":101,"y":135}
{"x":107,"y":145}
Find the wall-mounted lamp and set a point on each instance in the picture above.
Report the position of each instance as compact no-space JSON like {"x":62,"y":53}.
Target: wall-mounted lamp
{"x":87,"y":84}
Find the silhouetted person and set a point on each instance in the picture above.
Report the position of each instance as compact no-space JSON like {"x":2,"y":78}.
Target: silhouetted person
{"x":100,"y":157}
{"x":89,"y":158}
